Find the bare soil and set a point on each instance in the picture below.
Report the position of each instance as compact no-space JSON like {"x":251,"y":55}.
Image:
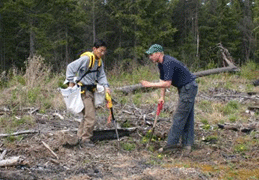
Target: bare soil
{"x":211,"y":158}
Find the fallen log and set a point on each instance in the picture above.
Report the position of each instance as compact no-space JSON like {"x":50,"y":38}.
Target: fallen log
{"x":12,"y":161}
{"x":246,"y":128}
{"x":225,"y":55}
{"x":20,"y":133}
{"x":253,"y":108}
{"x":135,"y":87}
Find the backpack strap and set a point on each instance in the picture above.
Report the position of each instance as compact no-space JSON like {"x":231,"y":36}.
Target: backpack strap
{"x":91,"y":63}
{"x":92,"y":59}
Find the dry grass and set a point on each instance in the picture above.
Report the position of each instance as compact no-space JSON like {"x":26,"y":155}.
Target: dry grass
{"x":36,"y":72}
{"x":37,"y":87}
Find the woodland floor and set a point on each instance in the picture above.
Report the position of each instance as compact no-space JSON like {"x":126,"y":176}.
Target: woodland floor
{"x":210,"y":158}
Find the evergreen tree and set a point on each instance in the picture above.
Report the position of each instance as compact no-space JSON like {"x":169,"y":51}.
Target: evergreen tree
{"x":139,"y":23}
{"x":219,"y":24}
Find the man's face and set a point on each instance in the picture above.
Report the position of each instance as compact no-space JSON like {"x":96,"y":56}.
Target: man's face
{"x":99,"y":52}
{"x":154,"y":57}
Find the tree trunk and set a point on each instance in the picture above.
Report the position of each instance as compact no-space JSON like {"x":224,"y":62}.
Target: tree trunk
{"x":94,"y":33}
{"x":32,"y":50}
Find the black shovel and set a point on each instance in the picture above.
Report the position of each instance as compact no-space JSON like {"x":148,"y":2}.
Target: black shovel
{"x":109,"y":100}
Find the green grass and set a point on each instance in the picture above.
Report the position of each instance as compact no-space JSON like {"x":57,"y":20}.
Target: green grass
{"x":231,"y":107}
{"x":122,"y":78}
{"x":128,"y":146}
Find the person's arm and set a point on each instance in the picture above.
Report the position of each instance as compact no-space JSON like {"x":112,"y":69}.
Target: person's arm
{"x":162,"y":96}
{"x":160,"y":84}
{"x":74,"y":67}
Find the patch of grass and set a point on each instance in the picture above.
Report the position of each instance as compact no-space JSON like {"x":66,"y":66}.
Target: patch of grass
{"x":206,"y":126}
{"x":126,"y":124}
{"x":231,"y":107}
{"x":12,"y":124}
{"x":211,"y":138}
{"x":248,"y":69}
{"x":205,"y":105}
{"x":204,"y":121}
{"x":155,"y":160}
{"x":232,"y":118}
{"x":241,"y":148}
{"x":11,"y":139}
{"x":33,"y":94}
{"x":137,"y":99}
{"x":128,"y":146}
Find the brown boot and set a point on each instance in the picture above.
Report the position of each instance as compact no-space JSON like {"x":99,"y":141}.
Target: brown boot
{"x":169,"y":148}
{"x":186,"y":151}
{"x":86,"y":143}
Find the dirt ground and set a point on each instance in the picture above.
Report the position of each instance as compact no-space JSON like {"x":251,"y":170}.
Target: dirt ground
{"x":210,"y":159}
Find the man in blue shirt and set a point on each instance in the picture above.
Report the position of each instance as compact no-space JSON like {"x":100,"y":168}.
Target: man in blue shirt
{"x":175,"y":73}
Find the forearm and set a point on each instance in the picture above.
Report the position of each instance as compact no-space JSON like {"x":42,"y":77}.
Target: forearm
{"x":162,"y":93}
{"x":160,"y":84}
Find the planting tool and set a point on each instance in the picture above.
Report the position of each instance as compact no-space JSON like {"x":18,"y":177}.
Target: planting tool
{"x":109,"y":105}
{"x":159,"y":107}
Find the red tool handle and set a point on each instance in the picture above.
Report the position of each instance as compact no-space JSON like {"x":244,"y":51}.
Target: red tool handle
{"x":159,"y":108}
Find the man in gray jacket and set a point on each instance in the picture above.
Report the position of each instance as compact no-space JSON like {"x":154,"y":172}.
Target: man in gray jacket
{"x":90,"y":67}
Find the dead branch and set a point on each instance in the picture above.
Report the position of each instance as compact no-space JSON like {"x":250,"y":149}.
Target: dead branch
{"x":52,"y":152}
{"x":19,"y":133}
{"x":226,"y":56}
{"x":3,"y":154}
{"x":216,"y":71}
{"x":12,"y":161}
{"x":246,"y":128}
{"x":58,"y":115}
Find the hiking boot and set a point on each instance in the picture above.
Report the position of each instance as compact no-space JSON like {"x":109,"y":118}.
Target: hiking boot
{"x":169,"y":148}
{"x":186,"y":151}
{"x":87,"y":143}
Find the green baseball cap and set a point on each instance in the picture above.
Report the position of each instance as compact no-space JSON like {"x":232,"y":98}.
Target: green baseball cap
{"x":155,"y":48}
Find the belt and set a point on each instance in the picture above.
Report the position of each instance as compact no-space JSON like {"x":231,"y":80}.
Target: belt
{"x":90,"y":88}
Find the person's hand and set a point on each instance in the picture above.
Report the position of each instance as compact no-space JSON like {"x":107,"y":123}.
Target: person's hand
{"x":71,"y":84}
{"x":161,"y":100}
{"x":108,"y":90}
{"x":108,"y":98}
{"x":145,"y":83}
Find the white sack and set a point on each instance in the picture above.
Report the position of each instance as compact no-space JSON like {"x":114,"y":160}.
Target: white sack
{"x":73,"y":100}
{"x":99,"y":95}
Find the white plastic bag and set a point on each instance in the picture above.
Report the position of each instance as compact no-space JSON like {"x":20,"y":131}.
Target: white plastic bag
{"x":99,"y":95}
{"x":73,"y":100}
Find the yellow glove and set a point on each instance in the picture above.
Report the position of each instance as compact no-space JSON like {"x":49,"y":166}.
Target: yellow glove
{"x":109,"y":100}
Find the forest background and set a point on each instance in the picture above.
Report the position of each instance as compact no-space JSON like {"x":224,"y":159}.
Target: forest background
{"x":189,"y":30}
{"x":38,"y":38}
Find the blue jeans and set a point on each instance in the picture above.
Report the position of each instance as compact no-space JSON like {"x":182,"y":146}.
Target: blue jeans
{"x":183,"y":120}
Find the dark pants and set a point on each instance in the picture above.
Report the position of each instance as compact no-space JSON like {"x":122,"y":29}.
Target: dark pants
{"x":183,"y":120}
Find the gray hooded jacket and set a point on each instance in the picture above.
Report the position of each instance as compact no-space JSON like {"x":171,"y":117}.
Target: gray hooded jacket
{"x":78,"y":68}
